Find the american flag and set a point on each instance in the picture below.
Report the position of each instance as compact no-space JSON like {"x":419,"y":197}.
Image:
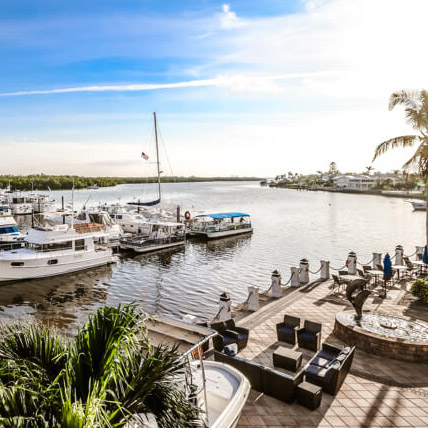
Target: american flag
{"x":144,"y":156}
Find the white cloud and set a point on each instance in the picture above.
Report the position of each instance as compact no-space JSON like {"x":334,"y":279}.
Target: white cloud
{"x":228,"y":18}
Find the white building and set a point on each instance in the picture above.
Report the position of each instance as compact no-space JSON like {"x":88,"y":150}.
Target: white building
{"x":354,"y":182}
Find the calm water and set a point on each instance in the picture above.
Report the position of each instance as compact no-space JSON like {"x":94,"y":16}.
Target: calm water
{"x":289,"y":225}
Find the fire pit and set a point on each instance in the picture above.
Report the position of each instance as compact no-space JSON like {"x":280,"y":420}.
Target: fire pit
{"x":385,"y":335}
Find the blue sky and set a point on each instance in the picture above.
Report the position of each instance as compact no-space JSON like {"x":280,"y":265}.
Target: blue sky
{"x":240,"y":87}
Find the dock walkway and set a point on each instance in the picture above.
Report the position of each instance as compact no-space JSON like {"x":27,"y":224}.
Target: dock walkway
{"x":378,"y":392}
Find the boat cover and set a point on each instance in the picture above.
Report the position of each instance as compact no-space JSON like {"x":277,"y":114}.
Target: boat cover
{"x":145,"y":204}
{"x":224,"y":215}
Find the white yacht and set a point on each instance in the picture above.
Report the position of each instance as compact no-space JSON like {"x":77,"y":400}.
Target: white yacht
{"x":156,"y":236}
{"x":91,"y":216}
{"x":218,"y":389}
{"x":221,"y":225}
{"x":20,"y":203}
{"x":57,"y":250}
{"x":41,"y":203}
{"x":129,"y":221}
{"x":9,"y":232}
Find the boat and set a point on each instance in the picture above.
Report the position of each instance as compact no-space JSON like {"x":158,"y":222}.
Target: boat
{"x":41,"y":203}
{"x":156,"y":236}
{"x":20,"y":204}
{"x":88,"y":216}
{"x":56,"y":250}
{"x":418,"y":204}
{"x":9,"y":232}
{"x":218,"y":389}
{"x":220,"y":225}
{"x":93,"y":187}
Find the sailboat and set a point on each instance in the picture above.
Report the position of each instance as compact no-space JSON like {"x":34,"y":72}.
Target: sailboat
{"x":158,"y":200}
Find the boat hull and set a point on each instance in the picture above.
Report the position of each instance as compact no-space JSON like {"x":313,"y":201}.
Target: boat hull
{"x":221,"y":233}
{"x":151,"y":248}
{"x":38,"y":267}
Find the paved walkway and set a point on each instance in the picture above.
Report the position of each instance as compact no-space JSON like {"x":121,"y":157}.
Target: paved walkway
{"x":378,"y":392}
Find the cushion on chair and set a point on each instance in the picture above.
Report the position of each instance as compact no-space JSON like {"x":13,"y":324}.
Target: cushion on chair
{"x":321,"y":362}
{"x":334,"y":364}
{"x":307,"y":336}
{"x":341,"y":357}
{"x":321,"y":373}
{"x":346,"y":350}
{"x":228,"y":340}
{"x":231,"y":350}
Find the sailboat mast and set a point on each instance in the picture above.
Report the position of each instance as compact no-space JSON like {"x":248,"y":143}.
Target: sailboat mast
{"x":157,"y":155}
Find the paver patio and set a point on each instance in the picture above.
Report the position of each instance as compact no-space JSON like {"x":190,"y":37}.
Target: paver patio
{"x":378,"y":392}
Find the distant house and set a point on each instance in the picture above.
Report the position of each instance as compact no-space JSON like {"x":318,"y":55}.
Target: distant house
{"x":354,"y":182}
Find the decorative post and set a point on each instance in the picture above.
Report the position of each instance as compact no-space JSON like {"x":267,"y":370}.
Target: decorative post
{"x":276,"y":284}
{"x":419,"y":253}
{"x":377,"y":260}
{"x":304,"y":271}
{"x":225,"y":307}
{"x":399,"y":255}
{"x":352,"y":263}
{"x":294,"y":277}
{"x":325,"y":269}
{"x":253,"y":299}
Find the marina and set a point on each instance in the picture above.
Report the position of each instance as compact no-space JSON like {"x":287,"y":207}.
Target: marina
{"x":197,"y":276}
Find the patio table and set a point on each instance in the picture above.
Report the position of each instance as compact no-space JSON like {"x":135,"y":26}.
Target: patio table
{"x":421,"y":266}
{"x":397,"y":268}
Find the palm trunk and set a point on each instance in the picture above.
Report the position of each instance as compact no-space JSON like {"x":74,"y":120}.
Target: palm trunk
{"x":426,"y":219}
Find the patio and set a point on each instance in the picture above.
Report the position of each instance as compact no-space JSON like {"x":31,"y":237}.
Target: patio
{"x":376,"y":392}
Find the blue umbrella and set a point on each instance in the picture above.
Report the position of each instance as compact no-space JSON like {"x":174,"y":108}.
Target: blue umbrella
{"x":387,"y":265}
{"x":425,"y":256}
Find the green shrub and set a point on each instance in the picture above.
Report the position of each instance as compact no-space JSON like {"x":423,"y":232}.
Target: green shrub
{"x":420,"y":289}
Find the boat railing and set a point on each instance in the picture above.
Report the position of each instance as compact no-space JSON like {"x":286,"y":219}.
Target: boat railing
{"x":220,"y":227}
{"x":154,"y":241}
{"x":88,"y":227}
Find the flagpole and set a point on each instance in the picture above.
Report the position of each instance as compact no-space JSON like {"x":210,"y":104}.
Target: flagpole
{"x":157,"y":156}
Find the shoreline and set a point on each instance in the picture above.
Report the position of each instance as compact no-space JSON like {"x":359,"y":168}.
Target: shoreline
{"x":405,"y":195}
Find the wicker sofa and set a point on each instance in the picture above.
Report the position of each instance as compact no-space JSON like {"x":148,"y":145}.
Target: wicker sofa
{"x":229,"y":333}
{"x":264,"y":379}
{"x":329,"y":367}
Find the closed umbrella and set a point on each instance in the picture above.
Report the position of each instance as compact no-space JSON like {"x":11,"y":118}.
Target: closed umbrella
{"x":387,"y":265}
{"x":425,"y":256}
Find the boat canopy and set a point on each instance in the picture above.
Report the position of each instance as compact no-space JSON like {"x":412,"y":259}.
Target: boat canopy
{"x":224,"y":215}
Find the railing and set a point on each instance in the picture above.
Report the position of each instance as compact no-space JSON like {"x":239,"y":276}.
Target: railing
{"x":220,"y":227}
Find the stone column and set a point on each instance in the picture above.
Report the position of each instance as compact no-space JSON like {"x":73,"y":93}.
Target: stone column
{"x":419,"y":253}
{"x":377,"y":260}
{"x":276,"y":284}
{"x":225,"y":307}
{"x":325,"y":269}
{"x":253,"y":299}
{"x":352,"y":263}
{"x":399,"y":255}
{"x":304,"y":271}
{"x":294,"y":277}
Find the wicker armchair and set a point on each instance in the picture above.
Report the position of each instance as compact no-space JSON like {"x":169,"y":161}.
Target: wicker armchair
{"x":287,"y":330}
{"x":229,"y":333}
{"x":309,"y":336}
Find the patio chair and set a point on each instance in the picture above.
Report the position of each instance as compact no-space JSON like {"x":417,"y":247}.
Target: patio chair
{"x":379,"y":267}
{"x":243,"y":333}
{"x":411,"y":270}
{"x":366,"y":268}
{"x":226,"y":337}
{"x":343,"y":272}
{"x":338,"y":282}
{"x":309,"y":336}
{"x":287,"y":330}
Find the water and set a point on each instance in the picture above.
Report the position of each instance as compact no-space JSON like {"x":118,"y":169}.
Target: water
{"x":288,"y":225}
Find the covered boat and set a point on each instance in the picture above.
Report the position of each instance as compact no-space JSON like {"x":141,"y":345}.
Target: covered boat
{"x":220,"y":390}
{"x":220,"y":225}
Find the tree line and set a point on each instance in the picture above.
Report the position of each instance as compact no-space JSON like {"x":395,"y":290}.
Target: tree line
{"x":65,"y":182}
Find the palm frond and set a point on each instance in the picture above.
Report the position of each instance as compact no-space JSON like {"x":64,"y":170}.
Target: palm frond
{"x":408,"y":98}
{"x":419,"y":161}
{"x":403,"y":141}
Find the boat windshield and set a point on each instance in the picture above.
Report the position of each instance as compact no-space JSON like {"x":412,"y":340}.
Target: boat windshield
{"x":10,"y":229}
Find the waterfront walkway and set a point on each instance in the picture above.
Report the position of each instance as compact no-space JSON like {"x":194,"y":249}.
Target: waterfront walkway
{"x":378,"y":392}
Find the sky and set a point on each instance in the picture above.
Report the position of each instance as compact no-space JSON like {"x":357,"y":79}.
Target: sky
{"x":246,"y":88}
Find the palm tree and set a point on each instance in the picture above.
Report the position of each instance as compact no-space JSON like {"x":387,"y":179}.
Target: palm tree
{"x":103,"y":378}
{"x":369,"y":169}
{"x":416,"y":114}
